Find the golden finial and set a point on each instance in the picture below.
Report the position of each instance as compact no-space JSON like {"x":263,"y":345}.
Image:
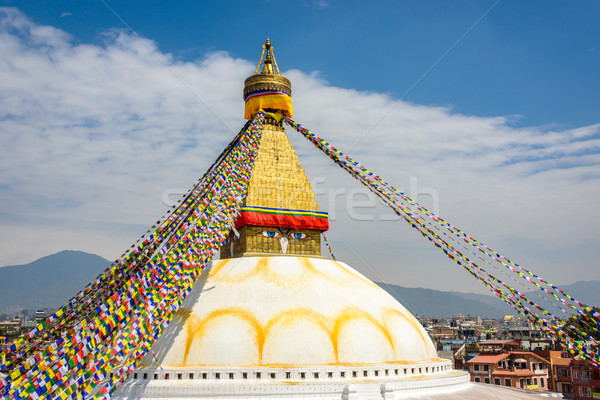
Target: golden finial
{"x":269,"y":79}
{"x":268,"y":67}
{"x":269,"y":60}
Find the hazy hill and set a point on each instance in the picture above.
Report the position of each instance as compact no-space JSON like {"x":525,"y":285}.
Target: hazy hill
{"x":54,"y":279}
{"x":49,"y":281}
{"x":587,"y":292}
{"x":437,"y":303}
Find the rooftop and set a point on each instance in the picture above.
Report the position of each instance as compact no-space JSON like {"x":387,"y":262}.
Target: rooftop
{"x":488,"y":358}
{"x":498,"y":342}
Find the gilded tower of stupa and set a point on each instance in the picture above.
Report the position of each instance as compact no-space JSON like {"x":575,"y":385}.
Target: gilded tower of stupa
{"x":273,"y":318}
{"x":279,"y":214}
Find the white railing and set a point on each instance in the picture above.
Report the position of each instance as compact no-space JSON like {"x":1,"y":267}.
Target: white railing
{"x":383,"y":371}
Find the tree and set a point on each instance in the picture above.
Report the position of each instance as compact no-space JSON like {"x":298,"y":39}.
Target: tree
{"x":588,"y":324}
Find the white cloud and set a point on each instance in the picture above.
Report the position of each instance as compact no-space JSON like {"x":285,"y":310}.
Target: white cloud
{"x":91,"y":136}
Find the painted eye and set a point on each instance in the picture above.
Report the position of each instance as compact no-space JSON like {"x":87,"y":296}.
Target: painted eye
{"x":270,"y":234}
{"x":298,"y":235}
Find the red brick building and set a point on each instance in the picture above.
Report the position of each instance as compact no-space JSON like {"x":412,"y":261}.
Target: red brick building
{"x":517,"y":369}
{"x":560,"y":379}
{"x":586,"y":380}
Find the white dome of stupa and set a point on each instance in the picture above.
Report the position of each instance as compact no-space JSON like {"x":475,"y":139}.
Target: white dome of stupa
{"x":290,"y":311}
{"x":296,"y":328}
{"x":290,"y":327}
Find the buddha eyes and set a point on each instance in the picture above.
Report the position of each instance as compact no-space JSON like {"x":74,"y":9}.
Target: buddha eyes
{"x":270,"y":234}
{"x":276,"y":234}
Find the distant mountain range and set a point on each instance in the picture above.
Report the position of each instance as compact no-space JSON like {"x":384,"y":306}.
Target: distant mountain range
{"x":54,"y":279}
{"x":49,"y":281}
{"x":437,"y":303}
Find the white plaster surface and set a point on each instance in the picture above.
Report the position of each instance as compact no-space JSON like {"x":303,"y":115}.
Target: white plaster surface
{"x":255,"y":311}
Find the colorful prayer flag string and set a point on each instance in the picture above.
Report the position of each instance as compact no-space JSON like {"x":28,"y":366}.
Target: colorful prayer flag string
{"x":328,"y":247}
{"x":466,"y":249}
{"x":88,"y":347}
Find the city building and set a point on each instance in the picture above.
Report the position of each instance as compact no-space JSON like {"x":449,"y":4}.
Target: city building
{"x":497,"y":346}
{"x":585,"y":380}
{"x":523,"y":370}
{"x":561,"y":371}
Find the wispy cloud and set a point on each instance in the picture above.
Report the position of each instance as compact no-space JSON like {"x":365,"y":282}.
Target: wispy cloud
{"x":91,"y":136}
{"x":321,"y":3}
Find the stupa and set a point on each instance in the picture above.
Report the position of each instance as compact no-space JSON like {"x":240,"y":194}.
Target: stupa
{"x":273,"y":318}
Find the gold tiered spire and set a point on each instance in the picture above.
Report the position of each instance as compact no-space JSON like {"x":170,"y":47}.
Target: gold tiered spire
{"x":279,"y":214}
{"x":278,"y":179}
{"x":268,"y":90}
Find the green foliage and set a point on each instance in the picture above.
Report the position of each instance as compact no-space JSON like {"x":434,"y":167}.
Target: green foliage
{"x":587,"y":324}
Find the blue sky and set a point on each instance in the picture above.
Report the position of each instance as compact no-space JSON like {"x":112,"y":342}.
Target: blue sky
{"x":107,"y":107}
{"x":536,"y":59}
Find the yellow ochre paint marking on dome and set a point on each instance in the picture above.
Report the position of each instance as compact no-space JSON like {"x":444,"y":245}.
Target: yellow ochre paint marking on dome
{"x":265,"y":269}
{"x":270,"y":273}
{"x":231,"y":276}
{"x":300,"y":312}
{"x":308,"y":265}
{"x":191,"y":325}
{"x":287,"y":317}
{"x":218,"y":266}
{"x":332,"y":325}
{"x":196,"y":328}
{"x":414,"y":323}
{"x":351,"y":313}
{"x":362,"y":278}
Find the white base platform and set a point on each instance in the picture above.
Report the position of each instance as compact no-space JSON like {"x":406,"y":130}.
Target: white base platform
{"x":379,"y":382}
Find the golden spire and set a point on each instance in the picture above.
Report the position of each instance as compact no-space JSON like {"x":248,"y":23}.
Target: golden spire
{"x":280,"y":214}
{"x":268,"y":82}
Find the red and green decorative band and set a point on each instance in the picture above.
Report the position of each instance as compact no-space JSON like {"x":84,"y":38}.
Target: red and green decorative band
{"x":282,"y":218}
